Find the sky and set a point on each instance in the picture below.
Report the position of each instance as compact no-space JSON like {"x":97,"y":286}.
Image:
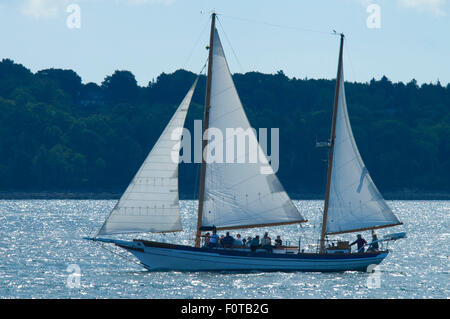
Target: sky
{"x":402,"y":39}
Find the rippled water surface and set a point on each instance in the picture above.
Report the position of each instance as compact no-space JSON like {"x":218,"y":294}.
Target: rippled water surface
{"x":40,"y":238}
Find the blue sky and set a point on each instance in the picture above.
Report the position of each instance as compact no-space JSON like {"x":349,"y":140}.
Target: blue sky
{"x":148,"y":37}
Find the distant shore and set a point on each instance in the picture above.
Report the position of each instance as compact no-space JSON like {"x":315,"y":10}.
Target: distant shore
{"x":402,"y":195}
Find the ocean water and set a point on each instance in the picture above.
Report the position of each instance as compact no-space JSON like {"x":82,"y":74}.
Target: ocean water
{"x":42,"y":251}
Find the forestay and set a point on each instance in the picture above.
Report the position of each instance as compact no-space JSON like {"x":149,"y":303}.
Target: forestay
{"x":239,"y":193}
{"x":355,"y":202}
{"x":150,"y":203}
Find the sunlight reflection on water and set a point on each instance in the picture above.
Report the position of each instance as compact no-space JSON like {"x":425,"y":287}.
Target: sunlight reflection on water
{"x":40,"y":238}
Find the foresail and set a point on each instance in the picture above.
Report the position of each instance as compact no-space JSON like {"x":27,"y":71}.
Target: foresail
{"x":150,"y":203}
{"x":239,"y":192}
{"x":355,"y":202}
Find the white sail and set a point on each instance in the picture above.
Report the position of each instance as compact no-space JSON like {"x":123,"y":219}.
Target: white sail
{"x":355,"y":202}
{"x":237,"y":194}
{"x":150,"y":203}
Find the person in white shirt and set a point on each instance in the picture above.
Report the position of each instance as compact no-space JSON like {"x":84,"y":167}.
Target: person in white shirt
{"x":238,"y":241}
{"x":266,"y":243}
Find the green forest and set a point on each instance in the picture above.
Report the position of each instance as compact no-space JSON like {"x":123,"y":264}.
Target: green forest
{"x":58,"y":134}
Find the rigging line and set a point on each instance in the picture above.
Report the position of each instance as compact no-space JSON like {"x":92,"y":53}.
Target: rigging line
{"x":347,"y":52}
{"x":229,"y":43}
{"x":281,"y":26}
{"x":122,"y":256}
{"x":196,"y":43}
{"x":203,"y":67}
{"x":92,"y":231}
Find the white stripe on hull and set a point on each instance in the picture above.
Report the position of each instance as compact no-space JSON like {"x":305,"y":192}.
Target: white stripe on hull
{"x":156,"y":258}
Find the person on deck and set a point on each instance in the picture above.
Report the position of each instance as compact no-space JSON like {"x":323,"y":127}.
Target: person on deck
{"x":213,"y":239}
{"x":238,"y":241}
{"x":254,"y":243}
{"x":374,"y":244}
{"x":278,"y":242}
{"x":360,"y":243}
{"x":266,"y":242}
{"x":207,"y":240}
{"x":227,"y":241}
{"x":248,"y":242}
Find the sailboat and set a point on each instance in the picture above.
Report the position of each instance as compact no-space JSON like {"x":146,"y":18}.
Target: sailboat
{"x":241,"y":195}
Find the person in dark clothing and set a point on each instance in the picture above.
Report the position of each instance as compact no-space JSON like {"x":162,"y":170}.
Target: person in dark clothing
{"x":278,"y":242}
{"x":228,"y":241}
{"x":360,"y":243}
{"x":248,"y":242}
{"x":207,"y":240}
{"x":254,"y":243}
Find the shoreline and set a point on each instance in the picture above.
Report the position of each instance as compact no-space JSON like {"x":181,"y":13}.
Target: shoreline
{"x":49,"y":195}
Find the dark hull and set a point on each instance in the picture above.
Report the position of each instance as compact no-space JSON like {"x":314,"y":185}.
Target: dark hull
{"x":157,"y":256}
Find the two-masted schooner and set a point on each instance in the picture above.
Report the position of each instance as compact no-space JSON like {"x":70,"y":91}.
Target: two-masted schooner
{"x":244,"y":195}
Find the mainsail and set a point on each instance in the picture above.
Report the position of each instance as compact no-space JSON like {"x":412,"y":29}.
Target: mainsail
{"x":354,"y":201}
{"x":238,"y":192}
{"x":150,"y":203}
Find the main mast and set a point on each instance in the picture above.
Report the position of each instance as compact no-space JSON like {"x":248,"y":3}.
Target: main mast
{"x":205,"y":127}
{"x":330,"y":154}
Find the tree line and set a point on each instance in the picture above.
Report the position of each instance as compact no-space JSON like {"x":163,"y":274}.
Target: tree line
{"x":58,"y":134}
